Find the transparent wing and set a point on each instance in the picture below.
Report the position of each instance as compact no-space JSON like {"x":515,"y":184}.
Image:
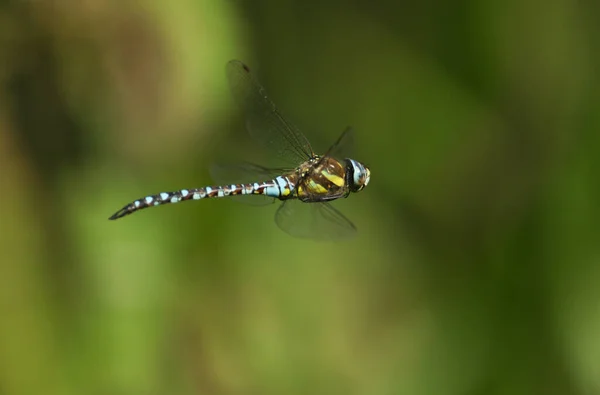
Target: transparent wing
{"x":264,"y":121}
{"x":344,"y":146}
{"x":244,"y":173}
{"x":316,"y":221}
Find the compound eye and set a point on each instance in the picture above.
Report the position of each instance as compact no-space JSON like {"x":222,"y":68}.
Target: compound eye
{"x":358,"y":175}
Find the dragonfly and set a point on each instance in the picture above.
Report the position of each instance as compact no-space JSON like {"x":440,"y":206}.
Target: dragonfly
{"x":305,"y":186}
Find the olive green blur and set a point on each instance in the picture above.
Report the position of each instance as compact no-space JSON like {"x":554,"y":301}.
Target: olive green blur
{"x":476,"y":267}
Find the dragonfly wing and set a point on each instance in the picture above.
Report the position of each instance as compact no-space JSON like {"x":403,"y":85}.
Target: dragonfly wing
{"x":245,"y":173}
{"x":317,"y":221}
{"x":344,"y":146}
{"x":264,"y":121}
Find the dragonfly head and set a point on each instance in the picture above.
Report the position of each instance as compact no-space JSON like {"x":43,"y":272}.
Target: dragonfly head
{"x":357,"y":175}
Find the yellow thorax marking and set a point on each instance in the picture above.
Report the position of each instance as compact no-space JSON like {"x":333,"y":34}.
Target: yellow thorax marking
{"x":314,"y":187}
{"x":337,"y":180}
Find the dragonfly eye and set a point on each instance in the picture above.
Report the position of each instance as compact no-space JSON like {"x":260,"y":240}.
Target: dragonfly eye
{"x":357,"y":175}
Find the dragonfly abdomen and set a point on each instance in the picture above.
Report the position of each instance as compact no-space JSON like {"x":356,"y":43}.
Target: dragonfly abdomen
{"x":279,"y":188}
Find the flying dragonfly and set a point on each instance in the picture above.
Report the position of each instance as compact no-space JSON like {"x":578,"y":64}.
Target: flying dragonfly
{"x":305,"y":188}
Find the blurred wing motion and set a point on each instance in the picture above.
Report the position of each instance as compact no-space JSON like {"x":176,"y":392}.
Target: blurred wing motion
{"x":344,"y":146}
{"x":315,"y":221}
{"x":243,"y":172}
{"x":264,"y":121}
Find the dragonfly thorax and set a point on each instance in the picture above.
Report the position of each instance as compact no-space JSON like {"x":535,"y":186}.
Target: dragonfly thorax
{"x":326,"y":178}
{"x":357,"y":175}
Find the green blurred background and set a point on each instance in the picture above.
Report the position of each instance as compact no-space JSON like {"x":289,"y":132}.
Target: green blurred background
{"x":476,"y":267}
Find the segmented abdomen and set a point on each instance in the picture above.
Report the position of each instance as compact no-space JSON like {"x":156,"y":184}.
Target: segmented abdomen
{"x":279,"y":188}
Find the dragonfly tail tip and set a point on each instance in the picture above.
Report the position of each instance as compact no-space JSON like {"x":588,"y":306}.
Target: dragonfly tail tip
{"x":121,"y":213}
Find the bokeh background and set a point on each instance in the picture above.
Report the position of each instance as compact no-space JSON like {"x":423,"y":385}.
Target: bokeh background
{"x":476,"y":269}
